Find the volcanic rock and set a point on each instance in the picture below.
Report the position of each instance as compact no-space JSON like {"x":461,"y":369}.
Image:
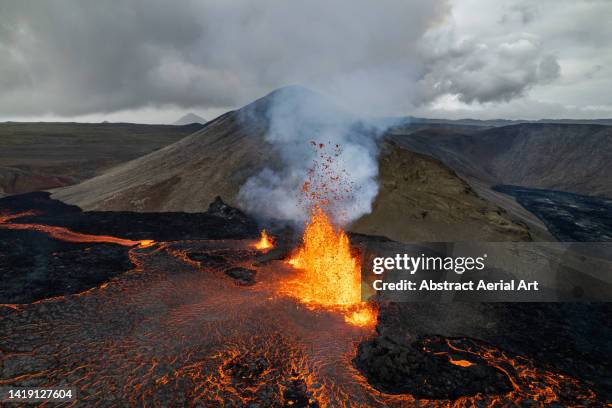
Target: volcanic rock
{"x":247,"y":368}
{"x":568,"y":216}
{"x":187,"y":175}
{"x":34,"y":266}
{"x":548,"y":333}
{"x":227,"y":224}
{"x":220,"y":209}
{"x":399,"y":368}
{"x":297,"y":395}
{"x":273,"y":254}
{"x":243,"y":276}
{"x":209,"y":260}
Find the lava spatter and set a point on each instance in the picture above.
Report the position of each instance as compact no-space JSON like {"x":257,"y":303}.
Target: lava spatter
{"x":330,"y":270}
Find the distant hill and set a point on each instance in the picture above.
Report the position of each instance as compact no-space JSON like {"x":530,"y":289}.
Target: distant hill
{"x":569,"y":157}
{"x":43,"y":155}
{"x":189,"y":119}
{"x":397,"y":123}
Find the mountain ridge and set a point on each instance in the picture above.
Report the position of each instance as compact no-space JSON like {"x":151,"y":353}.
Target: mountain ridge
{"x":218,"y":159}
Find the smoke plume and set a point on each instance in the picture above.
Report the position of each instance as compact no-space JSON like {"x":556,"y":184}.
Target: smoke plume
{"x":334,"y":152}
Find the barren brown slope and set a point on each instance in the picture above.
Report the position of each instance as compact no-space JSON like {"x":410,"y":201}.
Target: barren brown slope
{"x":420,"y":199}
{"x":185,"y":176}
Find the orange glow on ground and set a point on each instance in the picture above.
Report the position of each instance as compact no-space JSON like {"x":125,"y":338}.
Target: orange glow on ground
{"x":265,"y":242}
{"x":461,"y":363}
{"x":329,"y":270}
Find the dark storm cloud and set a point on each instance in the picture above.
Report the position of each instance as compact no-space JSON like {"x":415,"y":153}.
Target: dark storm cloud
{"x":485,"y":69}
{"x":82,"y":57}
{"x":78,"y":57}
{"x":85,"y":56}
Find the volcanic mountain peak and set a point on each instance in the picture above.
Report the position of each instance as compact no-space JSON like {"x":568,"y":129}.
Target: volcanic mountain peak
{"x":190,"y":118}
{"x":295,"y":94}
{"x":299,"y":104}
{"x":186,"y":175}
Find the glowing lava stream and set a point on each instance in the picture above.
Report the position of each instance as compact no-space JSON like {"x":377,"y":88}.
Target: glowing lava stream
{"x":330,"y":271}
{"x":64,"y":234}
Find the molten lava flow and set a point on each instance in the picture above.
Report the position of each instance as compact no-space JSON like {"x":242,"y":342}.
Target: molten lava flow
{"x":4,"y":218}
{"x":145,"y":243}
{"x":461,"y":363}
{"x":265,"y":242}
{"x":330,"y":272}
{"x":529,"y":382}
{"x":64,"y":234}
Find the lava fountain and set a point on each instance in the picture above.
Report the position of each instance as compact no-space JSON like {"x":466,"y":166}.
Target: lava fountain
{"x":329,"y":271}
{"x":265,"y":242}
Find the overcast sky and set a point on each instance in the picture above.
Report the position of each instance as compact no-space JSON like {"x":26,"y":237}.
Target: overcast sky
{"x":154,"y":60}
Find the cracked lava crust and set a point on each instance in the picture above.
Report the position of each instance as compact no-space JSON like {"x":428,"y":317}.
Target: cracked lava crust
{"x":195,"y":323}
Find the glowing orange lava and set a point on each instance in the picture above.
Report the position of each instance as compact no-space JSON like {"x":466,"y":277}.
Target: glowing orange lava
{"x":363,"y":315}
{"x":265,"y":242}
{"x":330,"y":271}
{"x":461,"y":363}
{"x":67,"y":235}
{"x":145,"y":243}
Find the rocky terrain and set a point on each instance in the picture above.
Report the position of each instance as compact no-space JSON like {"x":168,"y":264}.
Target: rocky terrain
{"x":559,"y":337}
{"x":165,"y":300}
{"x":570,"y":217}
{"x":35,"y":266}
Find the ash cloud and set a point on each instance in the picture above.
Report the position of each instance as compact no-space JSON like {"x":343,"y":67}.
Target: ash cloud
{"x":485,"y":70}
